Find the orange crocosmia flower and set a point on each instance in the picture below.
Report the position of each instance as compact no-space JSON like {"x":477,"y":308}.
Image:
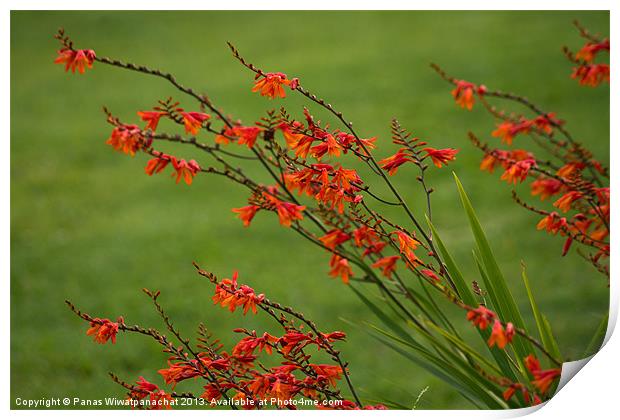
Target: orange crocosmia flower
{"x":546,"y":122}
{"x":481,"y":317}
{"x":591,"y":74}
{"x":406,"y":245}
{"x":488,"y":163}
{"x":430,"y":274}
{"x":333,"y":238}
{"x":542,"y":378}
{"x":570,"y":169}
{"x":545,"y":378}
{"x":248,"y":345}
{"x":76,"y":59}
{"x":387,"y":264}
{"x":247,"y":135}
{"x":510,"y":391}
{"x":212,"y":394}
{"x":565,"y":202}
{"x":151,"y":118}
{"x":507,"y":130}
{"x":270,"y":84}
{"x":246,"y":214}
{"x":344,"y":177}
{"x":157,"y":164}
{"x":504,"y":131}
{"x":499,"y":336}
{"x":392,"y":163}
{"x":364,"y":235}
{"x":228,"y":294}
{"x":329,"y":146}
{"x":518,"y":171}
{"x":552,"y":223}
{"x":292,"y":132}
{"x":546,"y":187}
{"x":126,"y":139}
{"x":441,"y":156}
{"x":193,"y":121}
{"x":463,"y":93}
{"x":368,"y":144}
{"x":340,"y":268}
{"x":185,"y":170}
{"x":588,"y":52}
{"x":177,"y":372}
{"x":287,"y":212}
{"x":327,"y":372}
{"x":103,"y":330}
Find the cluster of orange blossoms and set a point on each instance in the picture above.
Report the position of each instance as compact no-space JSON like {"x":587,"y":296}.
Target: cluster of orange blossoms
{"x":464,"y":93}
{"x":236,"y":371}
{"x":270,"y":84}
{"x":507,"y":130}
{"x":575,"y":183}
{"x":587,"y":72}
{"x":103,"y":330}
{"x":542,"y":382}
{"x":183,"y":170}
{"x":74,"y":60}
{"x":267,"y":199}
{"x":482,"y":317}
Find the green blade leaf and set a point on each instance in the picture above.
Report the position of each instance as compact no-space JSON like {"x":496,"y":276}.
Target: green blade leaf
{"x":544,"y":329}
{"x":599,"y":336}
{"x":499,"y":293}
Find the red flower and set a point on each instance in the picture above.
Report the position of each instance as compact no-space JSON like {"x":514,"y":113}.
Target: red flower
{"x":510,"y":391}
{"x":392,"y":163}
{"x":499,"y":336}
{"x":193,"y":121}
{"x":565,"y":202}
{"x":327,"y":372}
{"x":103,"y":330}
{"x":481,"y":317}
{"x":248,"y":344}
{"x":333,"y":238}
{"x":364,"y":235}
{"x":228,"y":294}
{"x":547,"y":122}
{"x":570,"y":169}
{"x":185,"y":170}
{"x":407,"y":245}
{"x":552,"y":223}
{"x":157,"y":164}
{"x":247,"y":135}
{"x":518,"y":171}
{"x":441,"y":156}
{"x":270,"y":84}
{"x":328,"y":146}
{"x":126,"y":139}
{"x":340,"y":268}
{"x":546,"y":187}
{"x":76,"y":59}
{"x":151,"y":118}
{"x":507,"y":130}
{"x":463,"y":93}
{"x":179,"y":371}
{"x":387,"y":264}
{"x":589,"y":51}
{"x":542,"y":378}
{"x":246,"y":214}
{"x":287,"y":212}
{"x":591,"y":74}
{"x":430,"y":274}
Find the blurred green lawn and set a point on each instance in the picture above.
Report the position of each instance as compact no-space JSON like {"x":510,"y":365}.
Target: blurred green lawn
{"x":88,"y":225}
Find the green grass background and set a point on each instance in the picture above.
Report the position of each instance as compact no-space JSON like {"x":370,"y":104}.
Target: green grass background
{"x":88,"y":225}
